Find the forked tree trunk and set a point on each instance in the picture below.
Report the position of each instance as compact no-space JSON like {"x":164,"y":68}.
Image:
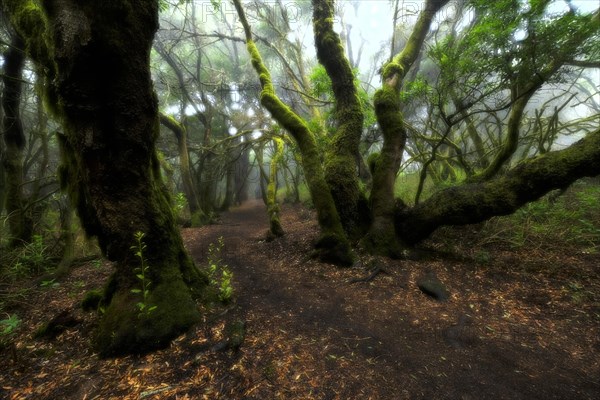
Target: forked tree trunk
{"x":103,"y":95}
{"x":381,"y":237}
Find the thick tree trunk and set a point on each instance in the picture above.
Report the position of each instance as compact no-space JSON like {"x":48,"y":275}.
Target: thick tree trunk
{"x":341,"y":170}
{"x":103,"y":94}
{"x":477,"y":202}
{"x":20,"y":226}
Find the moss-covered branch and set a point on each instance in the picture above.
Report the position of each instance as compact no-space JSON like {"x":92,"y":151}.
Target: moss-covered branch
{"x":332,"y":246}
{"x":527,"y":182}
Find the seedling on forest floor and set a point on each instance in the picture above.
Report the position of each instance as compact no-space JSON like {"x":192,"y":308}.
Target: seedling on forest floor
{"x":144,"y":307}
{"x":8,"y":327}
{"x":49,"y":284}
{"x":218,"y":272}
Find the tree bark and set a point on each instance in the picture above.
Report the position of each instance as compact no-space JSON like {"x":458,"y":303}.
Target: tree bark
{"x":184,"y":162}
{"x":272,"y":204}
{"x":102,"y":92}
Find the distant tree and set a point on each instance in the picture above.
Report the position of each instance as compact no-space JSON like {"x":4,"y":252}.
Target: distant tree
{"x":19,"y":222}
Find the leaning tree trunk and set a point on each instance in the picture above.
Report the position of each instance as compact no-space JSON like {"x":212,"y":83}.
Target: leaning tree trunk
{"x":184,"y":163}
{"x":103,"y":94}
{"x":273,"y":208}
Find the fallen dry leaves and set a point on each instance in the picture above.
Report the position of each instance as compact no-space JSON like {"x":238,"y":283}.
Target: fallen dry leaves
{"x":522,"y":324}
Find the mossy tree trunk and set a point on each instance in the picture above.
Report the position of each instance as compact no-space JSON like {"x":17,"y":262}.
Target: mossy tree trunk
{"x":272,"y":204}
{"x":103,"y":94}
{"x":333,"y":245}
{"x":20,"y":226}
{"x":341,"y":170}
{"x":263,"y":177}
{"x":381,"y":237}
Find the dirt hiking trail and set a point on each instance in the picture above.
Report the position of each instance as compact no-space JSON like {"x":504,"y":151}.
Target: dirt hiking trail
{"x":515,"y":325}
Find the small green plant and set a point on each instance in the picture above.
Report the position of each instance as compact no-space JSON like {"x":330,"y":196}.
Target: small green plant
{"x":97,"y":263}
{"x":9,"y":325}
{"x":218,"y":272}
{"x":144,"y":307}
{"x":49,"y":283}
{"x":30,"y":259}
{"x":180,"y":202}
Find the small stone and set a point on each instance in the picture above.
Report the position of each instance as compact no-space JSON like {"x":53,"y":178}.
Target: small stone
{"x":432,"y":286}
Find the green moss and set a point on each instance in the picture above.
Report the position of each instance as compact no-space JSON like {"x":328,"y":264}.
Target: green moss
{"x":391,"y":69}
{"x":373,"y":162}
{"x":124,"y":330}
{"x":382,"y":240}
{"x":334,"y":249}
{"x":92,"y":299}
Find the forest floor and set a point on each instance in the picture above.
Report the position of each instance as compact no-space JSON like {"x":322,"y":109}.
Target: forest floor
{"x":518,"y":324}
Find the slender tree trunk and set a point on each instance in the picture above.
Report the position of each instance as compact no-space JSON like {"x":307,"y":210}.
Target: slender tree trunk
{"x":272,"y":204}
{"x":2,"y":158}
{"x":242,"y":171}
{"x":184,"y":162}
{"x":20,"y":226}
{"x":102,"y":92}
{"x":67,"y":237}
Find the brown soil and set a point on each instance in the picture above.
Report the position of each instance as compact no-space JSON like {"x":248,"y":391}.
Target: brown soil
{"x":518,"y":324}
